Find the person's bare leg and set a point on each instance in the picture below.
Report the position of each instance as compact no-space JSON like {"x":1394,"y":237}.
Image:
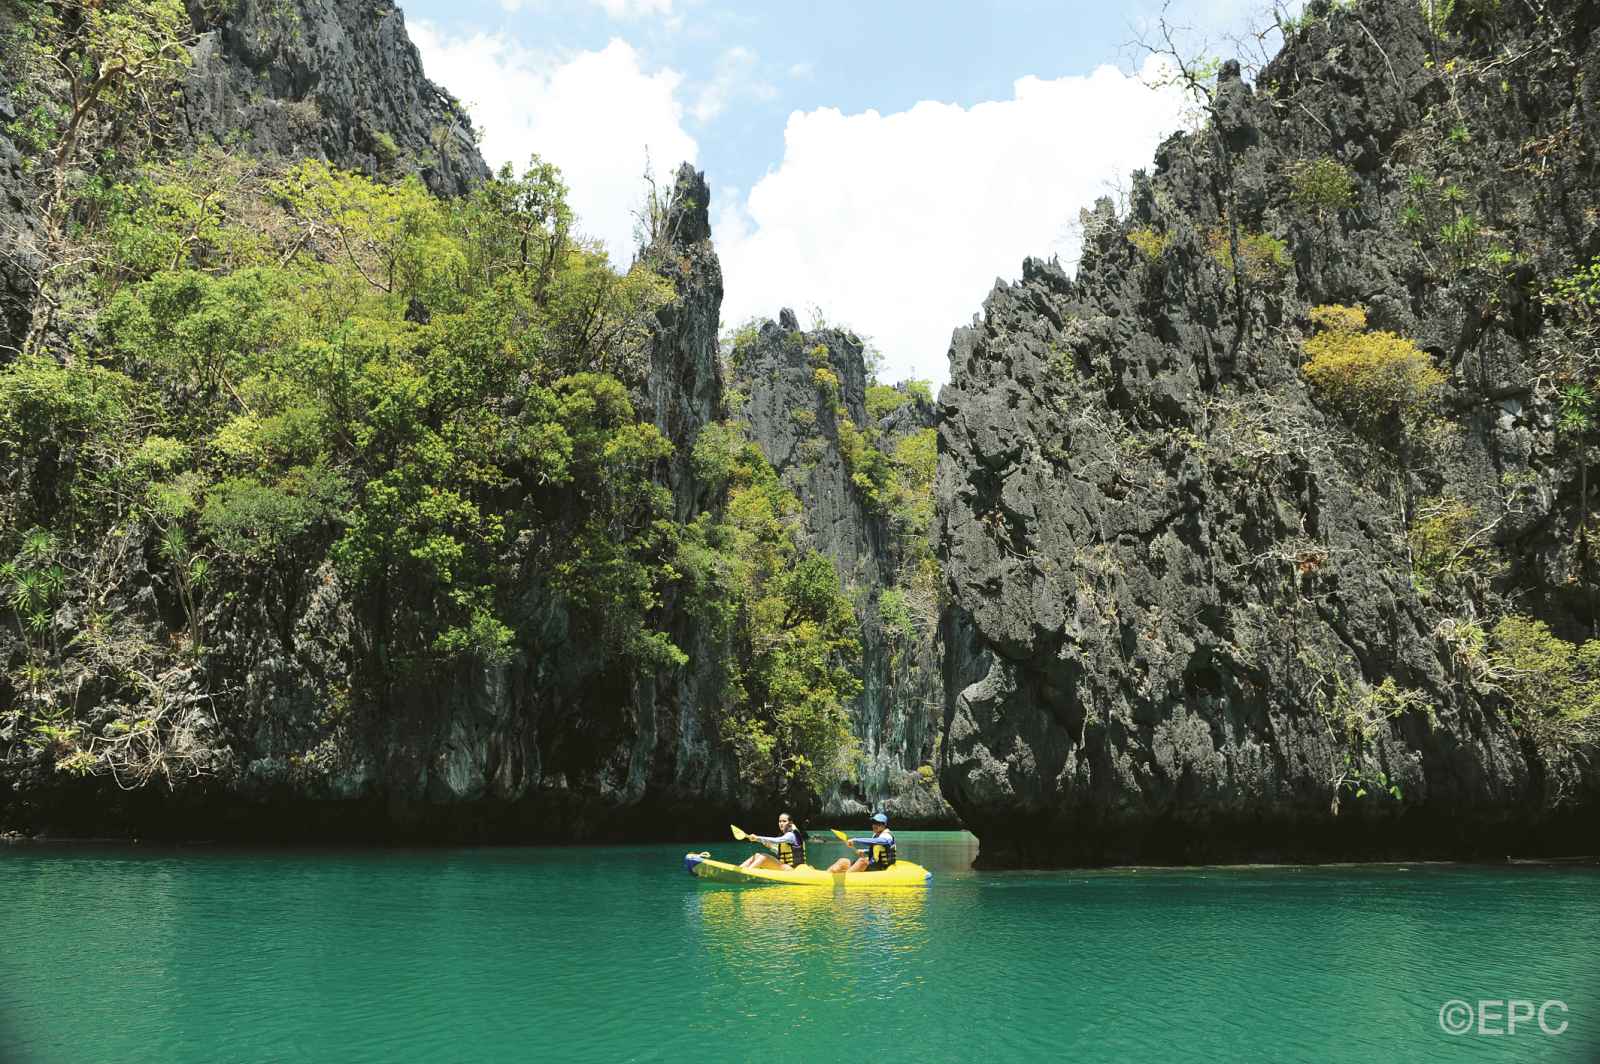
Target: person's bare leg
{"x":762,"y":860}
{"x":841,"y":865}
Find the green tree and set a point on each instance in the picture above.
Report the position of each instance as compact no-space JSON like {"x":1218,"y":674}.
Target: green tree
{"x":796,"y":637}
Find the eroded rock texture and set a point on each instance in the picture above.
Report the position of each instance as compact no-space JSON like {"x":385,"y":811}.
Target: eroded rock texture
{"x":327,"y":79}
{"x":337,"y":80}
{"x":18,"y":261}
{"x":1183,"y":569}
{"x":797,"y":425}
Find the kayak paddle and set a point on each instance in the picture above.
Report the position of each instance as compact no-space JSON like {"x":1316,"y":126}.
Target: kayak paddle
{"x":842,"y":837}
{"x":744,"y":836}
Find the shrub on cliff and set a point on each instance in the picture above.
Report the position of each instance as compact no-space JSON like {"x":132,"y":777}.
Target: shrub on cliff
{"x":1149,"y":243}
{"x":1448,"y":543}
{"x":1369,"y":376}
{"x":882,"y":399}
{"x":1573,"y":351}
{"x":1552,"y":685}
{"x":1263,"y":258}
{"x":1322,"y":185}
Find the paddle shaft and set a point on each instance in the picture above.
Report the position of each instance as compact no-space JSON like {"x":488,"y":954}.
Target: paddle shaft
{"x":744,"y":836}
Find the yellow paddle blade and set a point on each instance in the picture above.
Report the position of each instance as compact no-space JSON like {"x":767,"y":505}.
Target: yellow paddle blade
{"x":841,"y":836}
{"x":738,"y":832}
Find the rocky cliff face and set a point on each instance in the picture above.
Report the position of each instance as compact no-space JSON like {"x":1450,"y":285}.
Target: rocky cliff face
{"x":327,"y":79}
{"x":18,"y":264}
{"x":677,"y":756}
{"x":798,"y":391}
{"x":337,"y":80}
{"x":1199,"y":624}
{"x":278,"y":736}
{"x":280,"y":740}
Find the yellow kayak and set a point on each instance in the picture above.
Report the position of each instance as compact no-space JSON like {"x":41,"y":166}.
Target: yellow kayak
{"x":899,"y":874}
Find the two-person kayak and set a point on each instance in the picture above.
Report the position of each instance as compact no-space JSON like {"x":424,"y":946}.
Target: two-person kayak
{"x":876,"y":862}
{"x":900,"y":874}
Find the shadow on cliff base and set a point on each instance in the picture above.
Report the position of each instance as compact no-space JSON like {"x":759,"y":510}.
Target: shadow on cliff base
{"x":279,"y":818}
{"x":1409,"y":836}
{"x":95,"y":809}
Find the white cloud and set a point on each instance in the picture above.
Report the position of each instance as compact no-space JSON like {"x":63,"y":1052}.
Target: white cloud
{"x":594,"y":114}
{"x":632,"y":8}
{"x":898,"y":224}
{"x":735,"y":76}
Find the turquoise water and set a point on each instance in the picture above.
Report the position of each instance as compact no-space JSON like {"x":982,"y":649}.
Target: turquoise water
{"x":611,"y":954}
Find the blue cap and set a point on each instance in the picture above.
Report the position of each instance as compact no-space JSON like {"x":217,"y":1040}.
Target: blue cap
{"x":880,"y":818}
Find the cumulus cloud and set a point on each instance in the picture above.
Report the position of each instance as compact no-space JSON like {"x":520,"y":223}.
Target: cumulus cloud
{"x":899,"y":224}
{"x":597,"y":115}
{"x":896,"y":223}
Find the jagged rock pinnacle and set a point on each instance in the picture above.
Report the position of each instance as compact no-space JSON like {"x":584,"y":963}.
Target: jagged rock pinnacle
{"x":688,"y":213}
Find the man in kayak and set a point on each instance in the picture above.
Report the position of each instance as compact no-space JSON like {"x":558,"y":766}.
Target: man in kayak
{"x":877,"y":851}
{"x":789,"y":845}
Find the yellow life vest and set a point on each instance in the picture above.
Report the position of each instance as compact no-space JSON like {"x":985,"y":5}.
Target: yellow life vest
{"x":791,"y":855}
{"x":880,"y":855}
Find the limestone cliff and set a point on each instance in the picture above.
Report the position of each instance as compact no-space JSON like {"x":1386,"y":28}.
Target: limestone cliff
{"x":326,"y":79}
{"x":803,"y":394}
{"x":1206,"y":623}
{"x":284,"y":737}
{"x":337,"y":80}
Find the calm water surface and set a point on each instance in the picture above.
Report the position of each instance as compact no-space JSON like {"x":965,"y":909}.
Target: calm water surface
{"x":611,"y":954}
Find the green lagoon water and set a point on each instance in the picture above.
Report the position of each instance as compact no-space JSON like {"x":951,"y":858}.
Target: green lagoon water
{"x":614,"y":954}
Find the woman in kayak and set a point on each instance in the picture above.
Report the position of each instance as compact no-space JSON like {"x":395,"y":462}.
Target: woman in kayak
{"x":877,"y":851}
{"x":789,"y":845}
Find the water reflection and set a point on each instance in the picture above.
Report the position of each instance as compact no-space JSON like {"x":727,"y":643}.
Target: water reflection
{"x":807,"y":950}
{"x":795,"y":915}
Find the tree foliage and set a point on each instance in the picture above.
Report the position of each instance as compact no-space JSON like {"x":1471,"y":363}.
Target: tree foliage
{"x":433,"y":402}
{"x":797,"y":650}
{"x":1553,"y":685}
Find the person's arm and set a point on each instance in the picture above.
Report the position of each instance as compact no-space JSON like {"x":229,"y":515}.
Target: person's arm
{"x":773,"y":840}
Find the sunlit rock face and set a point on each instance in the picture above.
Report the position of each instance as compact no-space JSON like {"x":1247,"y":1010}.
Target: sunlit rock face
{"x":797,"y":425}
{"x":327,"y":79}
{"x":1186,"y":576}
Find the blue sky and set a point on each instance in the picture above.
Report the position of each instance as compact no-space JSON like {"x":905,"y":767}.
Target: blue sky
{"x":882,"y":161}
